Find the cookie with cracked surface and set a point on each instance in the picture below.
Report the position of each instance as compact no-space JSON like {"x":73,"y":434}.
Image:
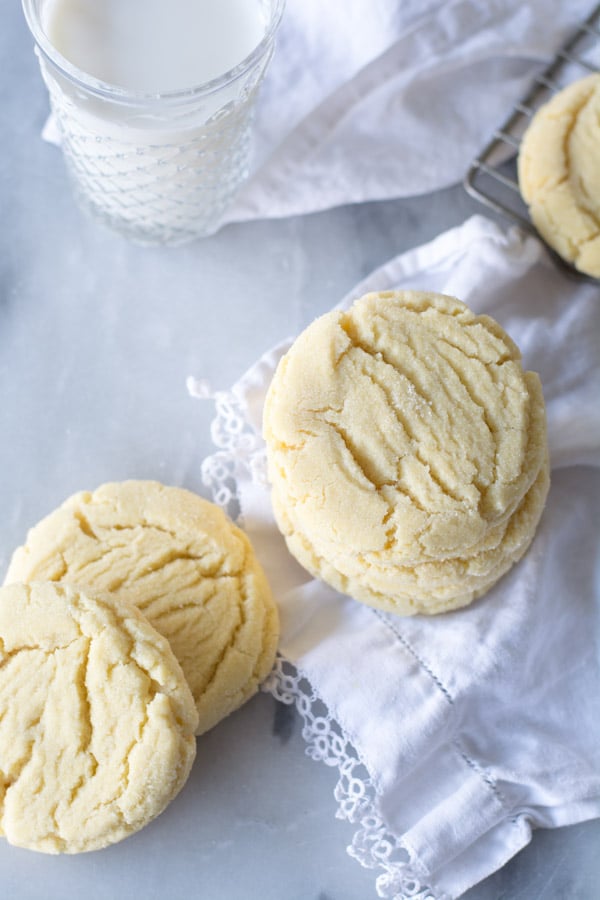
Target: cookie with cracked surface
{"x":559,"y":173}
{"x":184,"y":564}
{"x":406,"y":451}
{"x":96,"y":720}
{"x":431,"y":587}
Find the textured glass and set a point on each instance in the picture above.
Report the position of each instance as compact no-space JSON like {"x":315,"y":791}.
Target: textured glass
{"x":158,"y":169}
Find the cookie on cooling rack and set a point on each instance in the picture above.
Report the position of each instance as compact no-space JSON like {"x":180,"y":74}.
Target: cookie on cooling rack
{"x":96,"y":719}
{"x":406,"y":451}
{"x":184,"y":564}
{"x":559,"y":173}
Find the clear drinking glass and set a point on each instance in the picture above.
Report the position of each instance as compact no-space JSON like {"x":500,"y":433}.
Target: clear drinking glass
{"x":158,"y":168}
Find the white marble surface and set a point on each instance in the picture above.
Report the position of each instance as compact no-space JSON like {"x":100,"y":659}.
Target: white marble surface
{"x":97,"y":337}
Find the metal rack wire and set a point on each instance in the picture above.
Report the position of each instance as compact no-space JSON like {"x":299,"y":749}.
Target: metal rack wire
{"x":491,"y":178}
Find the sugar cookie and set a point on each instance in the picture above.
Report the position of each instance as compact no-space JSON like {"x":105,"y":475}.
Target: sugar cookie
{"x":406,"y":451}
{"x":559,"y":173}
{"x":96,"y":719}
{"x":181,"y":561}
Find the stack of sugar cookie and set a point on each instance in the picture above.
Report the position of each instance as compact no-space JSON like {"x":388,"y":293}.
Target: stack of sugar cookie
{"x":132,"y":619}
{"x":559,"y":173}
{"x":406,"y":451}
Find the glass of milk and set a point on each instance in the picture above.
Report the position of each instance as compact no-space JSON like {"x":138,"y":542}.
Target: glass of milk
{"x":154,"y":101}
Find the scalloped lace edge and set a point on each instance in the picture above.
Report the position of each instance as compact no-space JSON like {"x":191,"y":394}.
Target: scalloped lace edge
{"x":373,"y":846}
{"x":241,"y":453}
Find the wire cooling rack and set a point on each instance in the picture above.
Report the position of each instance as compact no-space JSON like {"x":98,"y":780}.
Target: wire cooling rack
{"x":492,"y":178}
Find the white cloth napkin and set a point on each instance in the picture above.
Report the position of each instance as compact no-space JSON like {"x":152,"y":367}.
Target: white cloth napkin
{"x":454,"y":735}
{"x":385,"y":98}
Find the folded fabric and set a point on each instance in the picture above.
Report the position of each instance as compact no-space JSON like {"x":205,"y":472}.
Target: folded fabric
{"x":454,"y":735}
{"x":391,"y":99}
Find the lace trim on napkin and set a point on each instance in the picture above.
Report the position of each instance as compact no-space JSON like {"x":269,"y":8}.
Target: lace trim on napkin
{"x":241,"y":448}
{"x":241,"y":452}
{"x":373,"y":846}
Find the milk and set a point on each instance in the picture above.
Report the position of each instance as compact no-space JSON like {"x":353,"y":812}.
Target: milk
{"x":154,"y":46}
{"x":155,"y":146}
